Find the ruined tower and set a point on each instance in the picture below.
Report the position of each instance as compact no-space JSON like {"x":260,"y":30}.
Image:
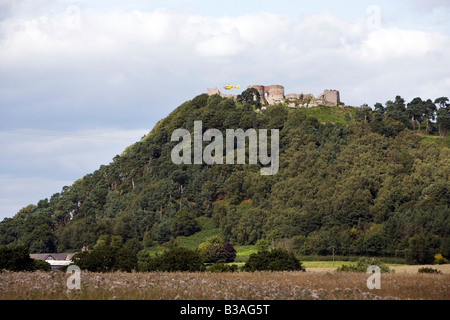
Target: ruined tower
{"x":331,"y":96}
{"x":272,"y":94}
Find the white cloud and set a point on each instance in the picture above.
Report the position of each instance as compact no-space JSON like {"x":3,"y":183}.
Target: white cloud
{"x":119,"y":45}
{"x":384,"y":44}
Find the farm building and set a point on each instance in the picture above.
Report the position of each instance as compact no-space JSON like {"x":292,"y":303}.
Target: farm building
{"x":56,"y":260}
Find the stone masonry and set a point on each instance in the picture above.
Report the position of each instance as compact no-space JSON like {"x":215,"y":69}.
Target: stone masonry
{"x":274,"y":94}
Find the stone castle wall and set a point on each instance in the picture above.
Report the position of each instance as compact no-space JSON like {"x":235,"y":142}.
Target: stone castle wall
{"x":274,"y":94}
{"x":330,"y":96}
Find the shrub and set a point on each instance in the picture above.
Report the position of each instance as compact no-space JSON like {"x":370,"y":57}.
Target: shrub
{"x":362,"y":264}
{"x":214,"y":250}
{"x":428,"y":270}
{"x":184,"y":224}
{"x":418,"y":251}
{"x":439,"y":259}
{"x":273,"y":260}
{"x":16,"y":259}
{"x":176,"y":259}
{"x":106,"y":257}
{"x":222,"y":267}
{"x":262,"y":244}
{"x":41,"y":265}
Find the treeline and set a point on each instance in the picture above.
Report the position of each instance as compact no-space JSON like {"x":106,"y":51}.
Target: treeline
{"x":418,"y":114}
{"x":110,"y":255}
{"x":367,"y":188}
{"x":18,"y":259}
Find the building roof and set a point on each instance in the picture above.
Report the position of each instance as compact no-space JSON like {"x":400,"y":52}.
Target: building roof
{"x":52,"y":256}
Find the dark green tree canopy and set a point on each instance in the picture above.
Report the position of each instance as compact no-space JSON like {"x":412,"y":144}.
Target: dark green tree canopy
{"x":363,"y":183}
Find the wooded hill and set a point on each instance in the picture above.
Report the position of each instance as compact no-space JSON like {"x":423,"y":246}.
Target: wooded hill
{"x":352,"y":181}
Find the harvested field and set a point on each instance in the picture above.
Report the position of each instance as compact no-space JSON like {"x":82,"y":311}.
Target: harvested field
{"x":443,"y":268}
{"x":223,"y":286}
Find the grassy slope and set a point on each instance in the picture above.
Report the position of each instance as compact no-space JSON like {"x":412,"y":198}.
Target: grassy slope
{"x":445,"y":142}
{"x":193,"y":241}
{"x":331,"y":114}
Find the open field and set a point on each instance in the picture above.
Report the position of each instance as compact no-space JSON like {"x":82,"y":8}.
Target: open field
{"x":412,"y":269}
{"x":229,"y":286}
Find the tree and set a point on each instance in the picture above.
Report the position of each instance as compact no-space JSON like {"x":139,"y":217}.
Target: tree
{"x":442,"y":102}
{"x":363,"y":113}
{"x":429,"y":111}
{"x":250,"y":96}
{"x":175,"y":259}
{"x":184,"y":223}
{"x":108,"y":255}
{"x":443,"y":120}
{"x":415,"y":111}
{"x":378,"y":112}
{"x":273,"y":260}
{"x":418,"y":251}
{"x":16,"y":259}
{"x":215,"y":250}
{"x":396,"y":110}
{"x":41,"y":240}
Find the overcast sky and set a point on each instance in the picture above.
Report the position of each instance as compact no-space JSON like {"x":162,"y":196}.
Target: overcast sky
{"x":81,"y":80}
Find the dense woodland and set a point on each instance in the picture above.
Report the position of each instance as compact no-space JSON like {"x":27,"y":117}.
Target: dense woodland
{"x":370,"y":185}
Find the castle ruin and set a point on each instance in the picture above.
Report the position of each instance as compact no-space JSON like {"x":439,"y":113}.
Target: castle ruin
{"x":274,"y":94}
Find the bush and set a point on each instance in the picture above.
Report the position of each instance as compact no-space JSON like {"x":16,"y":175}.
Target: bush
{"x":273,"y":260}
{"x":184,"y":224}
{"x":418,"y":251}
{"x":41,"y":265}
{"x":175,"y":259}
{"x":429,"y":270}
{"x":439,"y":259}
{"x":222,"y":267}
{"x":16,"y":259}
{"x":362,"y":264}
{"x":107,"y":256}
{"x":214,"y":250}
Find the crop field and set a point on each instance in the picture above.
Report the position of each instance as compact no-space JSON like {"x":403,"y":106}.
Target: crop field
{"x":318,"y":284}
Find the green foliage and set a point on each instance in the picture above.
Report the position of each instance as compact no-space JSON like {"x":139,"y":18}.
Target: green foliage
{"x":175,"y":259}
{"x":184,"y":224}
{"x":262,"y":245}
{"x":324,"y":114}
{"x":41,"y":265}
{"x":273,"y":260}
{"x":108,"y":255}
{"x":214,"y":250}
{"x":439,"y":259}
{"x":428,"y":270}
{"x":352,"y":181}
{"x":222,"y":267}
{"x":419,"y":250}
{"x":16,"y":259}
{"x":41,"y":239}
{"x":250,"y":96}
{"x":443,"y":120}
{"x":362,"y":264}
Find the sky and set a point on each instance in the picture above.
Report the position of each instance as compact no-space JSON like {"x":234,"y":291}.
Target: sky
{"x":82,"y":80}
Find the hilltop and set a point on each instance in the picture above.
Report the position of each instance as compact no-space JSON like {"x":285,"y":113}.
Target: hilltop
{"x":352,"y":181}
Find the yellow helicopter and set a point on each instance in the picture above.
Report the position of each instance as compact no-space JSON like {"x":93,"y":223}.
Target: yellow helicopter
{"x":229,"y":86}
